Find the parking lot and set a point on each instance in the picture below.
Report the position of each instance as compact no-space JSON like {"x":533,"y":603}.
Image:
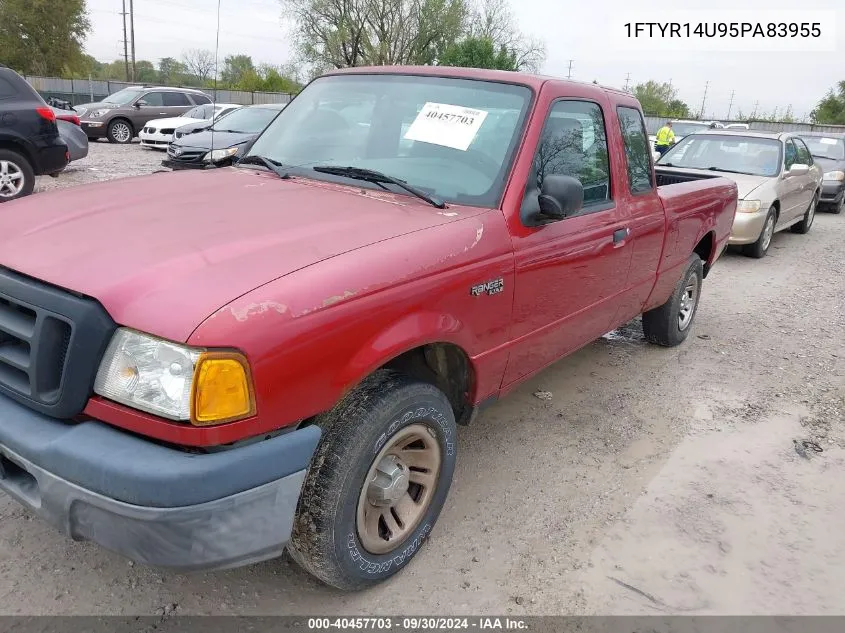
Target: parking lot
{"x":651,"y":480}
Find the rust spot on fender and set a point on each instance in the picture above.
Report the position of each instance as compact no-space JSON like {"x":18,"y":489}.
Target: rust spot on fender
{"x":245,"y":312}
{"x":332,"y":300}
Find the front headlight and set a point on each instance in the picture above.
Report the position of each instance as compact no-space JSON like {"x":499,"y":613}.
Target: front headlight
{"x":96,"y":114}
{"x":219,"y":154}
{"x":834,"y":175}
{"x":748,"y":206}
{"x":175,"y":381}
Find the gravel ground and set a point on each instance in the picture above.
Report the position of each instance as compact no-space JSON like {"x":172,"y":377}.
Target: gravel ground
{"x":652,"y":480}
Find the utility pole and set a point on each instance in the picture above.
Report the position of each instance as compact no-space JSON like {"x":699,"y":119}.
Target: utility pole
{"x":125,"y":42}
{"x":132,"y":33}
{"x":704,"y":100}
{"x":569,"y":74}
{"x":627,"y":82}
{"x":731,"y":104}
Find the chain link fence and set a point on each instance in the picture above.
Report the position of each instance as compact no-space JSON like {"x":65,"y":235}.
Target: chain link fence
{"x":78,"y":91}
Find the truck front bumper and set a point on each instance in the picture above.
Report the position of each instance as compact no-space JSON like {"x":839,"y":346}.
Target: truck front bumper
{"x":154,"y":504}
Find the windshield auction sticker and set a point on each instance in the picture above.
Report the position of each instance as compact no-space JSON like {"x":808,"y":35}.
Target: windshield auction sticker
{"x":447,"y":125}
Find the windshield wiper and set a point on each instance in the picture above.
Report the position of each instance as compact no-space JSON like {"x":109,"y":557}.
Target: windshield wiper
{"x":664,"y":165}
{"x":377,"y":177}
{"x":273,"y":165}
{"x":729,"y":171}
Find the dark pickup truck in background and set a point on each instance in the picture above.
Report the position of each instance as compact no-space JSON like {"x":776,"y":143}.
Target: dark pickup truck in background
{"x":284,"y":361}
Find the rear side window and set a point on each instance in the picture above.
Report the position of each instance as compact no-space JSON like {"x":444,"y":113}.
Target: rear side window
{"x":175,"y":99}
{"x":200,"y":99}
{"x":7,"y":90}
{"x":636,"y":149}
{"x":574,"y":143}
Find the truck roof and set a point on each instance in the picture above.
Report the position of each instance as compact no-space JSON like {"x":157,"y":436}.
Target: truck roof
{"x":502,"y":76}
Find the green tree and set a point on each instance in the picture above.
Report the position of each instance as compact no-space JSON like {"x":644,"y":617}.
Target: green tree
{"x":660,"y":99}
{"x":237,"y":68}
{"x":479,"y":52}
{"x":170,"y":71}
{"x":341,"y":33}
{"x":145,"y":72}
{"x":831,"y":109}
{"x":43,"y":37}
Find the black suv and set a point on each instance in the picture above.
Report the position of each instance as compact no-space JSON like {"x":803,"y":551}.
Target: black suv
{"x":30,"y":144}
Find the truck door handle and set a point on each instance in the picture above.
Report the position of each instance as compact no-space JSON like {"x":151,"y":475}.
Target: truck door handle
{"x":621,"y":234}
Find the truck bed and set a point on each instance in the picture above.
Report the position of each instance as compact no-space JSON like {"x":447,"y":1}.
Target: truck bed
{"x":665,"y":177}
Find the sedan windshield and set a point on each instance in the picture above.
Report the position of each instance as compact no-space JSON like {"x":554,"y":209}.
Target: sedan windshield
{"x":733,"y":154}
{"x":824,"y":147}
{"x":200,"y":112}
{"x":683,"y":129}
{"x":450,"y":138}
{"x":249,"y":120}
{"x":123,"y":97}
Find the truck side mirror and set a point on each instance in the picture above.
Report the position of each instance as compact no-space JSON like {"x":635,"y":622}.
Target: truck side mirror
{"x":560,"y":196}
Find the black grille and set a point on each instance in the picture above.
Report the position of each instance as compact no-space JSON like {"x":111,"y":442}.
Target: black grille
{"x":167,"y":130}
{"x":51,"y":342}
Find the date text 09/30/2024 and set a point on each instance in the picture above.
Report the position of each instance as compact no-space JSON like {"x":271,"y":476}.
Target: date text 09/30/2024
{"x":418,"y":623}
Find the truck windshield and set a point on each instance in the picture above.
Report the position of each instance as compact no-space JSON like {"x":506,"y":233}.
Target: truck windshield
{"x":735,"y":154}
{"x":451,"y":138}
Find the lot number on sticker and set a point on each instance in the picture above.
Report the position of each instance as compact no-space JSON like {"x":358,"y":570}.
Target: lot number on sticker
{"x":448,"y":125}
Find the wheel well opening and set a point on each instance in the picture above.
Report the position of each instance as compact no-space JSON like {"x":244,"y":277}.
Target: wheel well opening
{"x":125,"y":120}
{"x":447,"y":367}
{"x":704,"y":250}
{"x":776,"y":205}
{"x":14,"y":147}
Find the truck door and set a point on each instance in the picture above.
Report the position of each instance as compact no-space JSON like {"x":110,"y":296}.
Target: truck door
{"x":569,"y":272}
{"x":647,"y":219}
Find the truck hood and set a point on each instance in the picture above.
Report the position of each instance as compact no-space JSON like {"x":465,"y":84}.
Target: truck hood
{"x":163,"y":252}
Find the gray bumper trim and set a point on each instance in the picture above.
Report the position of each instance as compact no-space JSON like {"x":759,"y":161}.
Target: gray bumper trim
{"x":240,"y":529}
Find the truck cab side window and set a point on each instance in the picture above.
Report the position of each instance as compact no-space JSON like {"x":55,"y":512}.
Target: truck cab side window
{"x":636,"y":149}
{"x":574,"y":143}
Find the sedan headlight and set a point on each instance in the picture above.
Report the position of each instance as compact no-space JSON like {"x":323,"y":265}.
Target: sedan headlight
{"x":219,"y":154}
{"x":96,"y":114}
{"x":748,"y":206}
{"x":834,"y":175}
{"x":175,"y":381}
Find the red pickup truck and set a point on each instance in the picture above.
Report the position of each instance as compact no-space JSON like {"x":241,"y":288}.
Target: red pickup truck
{"x":199,"y":369}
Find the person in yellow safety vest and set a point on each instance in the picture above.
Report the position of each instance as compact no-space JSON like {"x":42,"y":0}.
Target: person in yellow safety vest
{"x":665,"y":138}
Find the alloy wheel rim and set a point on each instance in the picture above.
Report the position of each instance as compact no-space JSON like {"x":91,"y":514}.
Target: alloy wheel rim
{"x":398,"y":489}
{"x":768,"y":231}
{"x":689,"y":298}
{"x":11,"y":179}
{"x":121,"y":132}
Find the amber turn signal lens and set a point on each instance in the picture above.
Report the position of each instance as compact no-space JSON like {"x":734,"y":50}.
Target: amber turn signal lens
{"x":222,"y":390}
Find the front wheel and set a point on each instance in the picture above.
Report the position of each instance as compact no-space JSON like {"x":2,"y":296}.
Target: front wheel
{"x":804,"y":225}
{"x":758,"y":249}
{"x":17,"y":178}
{"x":120,"y":131}
{"x":377,"y":482}
{"x":669,"y":325}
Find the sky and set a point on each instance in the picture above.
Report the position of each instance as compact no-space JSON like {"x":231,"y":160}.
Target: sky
{"x":590,"y":34}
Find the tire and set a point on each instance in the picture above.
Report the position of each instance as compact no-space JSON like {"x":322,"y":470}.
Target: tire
{"x":17,"y":178}
{"x":120,"y":132}
{"x":837,"y":207}
{"x":758,"y":249}
{"x":670,"y":324}
{"x":330,"y":538}
{"x":803,"y":227}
